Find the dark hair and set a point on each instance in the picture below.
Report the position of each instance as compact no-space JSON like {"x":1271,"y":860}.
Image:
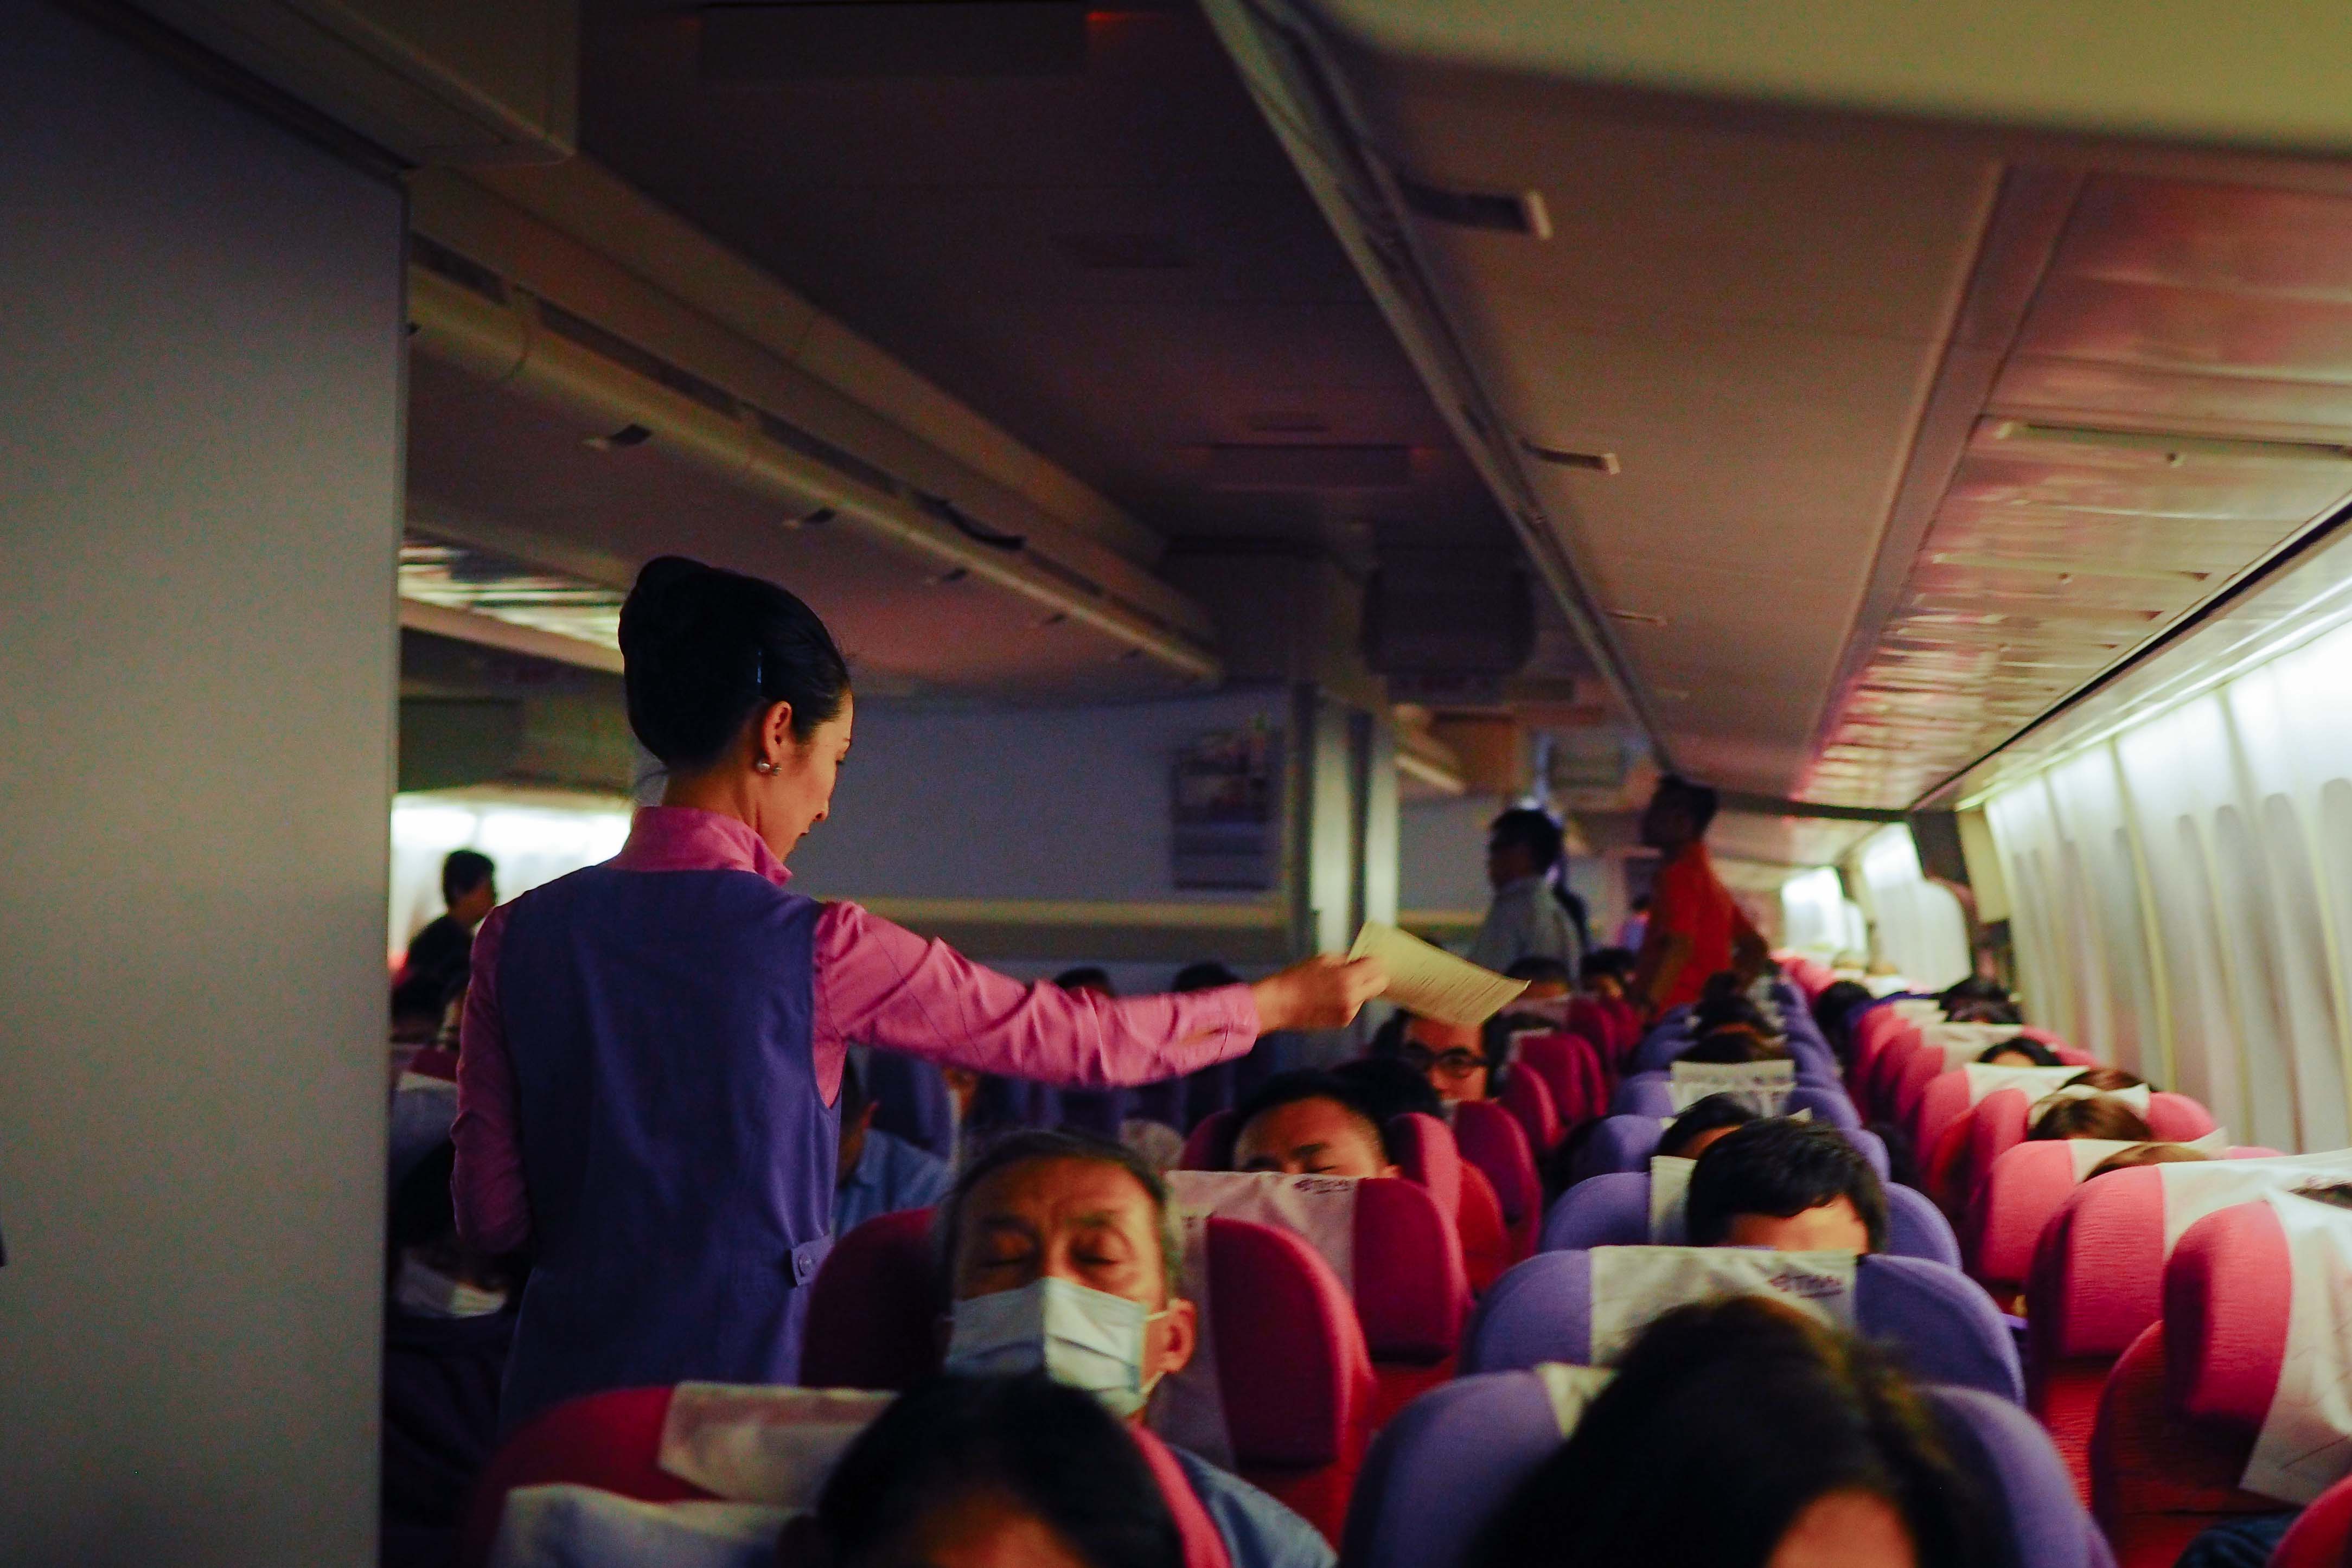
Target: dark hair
{"x":2034,"y":1050}
{"x":463,"y":871}
{"x":1534,"y":966}
{"x":1833,"y":1016}
{"x":1725,"y":1421}
{"x":1205,"y":977}
{"x":1035,"y":1144}
{"x":853,"y":1098}
{"x":1533,"y":830}
{"x":1389,"y":1087}
{"x":1053,"y":1450}
{"x":1291,"y":1088}
{"x":1726,"y":1046}
{"x":2338,"y":1193}
{"x":1704,"y":1116}
{"x":1782,"y":1168}
{"x":1732,"y":1011}
{"x":1086,"y":975}
{"x":1695,"y":801}
{"x":419,"y":996}
{"x":2106,"y":1080}
{"x":1980,"y":1000}
{"x":705,"y":649}
{"x":2092,"y":1116}
{"x":1618,"y":961}
{"x":2140,"y":1155}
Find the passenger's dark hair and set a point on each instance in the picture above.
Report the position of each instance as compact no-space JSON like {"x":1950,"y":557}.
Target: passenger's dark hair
{"x":463,"y":871}
{"x":1291,"y":1088}
{"x":1618,"y":961}
{"x":2090,"y":1116}
{"x":1980,"y":1000}
{"x":1054,"y":1451}
{"x":1833,"y":1016}
{"x":1205,"y":977}
{"x":1032,"y":1144}
{"x":1782,"y":1168}
{"x":2106,"y":1080}
{"x":853,"y":1098}
{"x":1389,"y":1087}
{"x":1532,"y":830}
{"x":1734,"y":1011}
{"x":2034,"y":1050}
{"x":1695,"y":801}
{"x":1724,"y":1047}
{"x":1086,"y":975}
{"x":1536,"y":969}
{"x":2140,"y":1155}
{"x":706,"y":649}
{"x":2338,"y":1193}
{"x":1725,"y":1421}
{"x":1704,"y":1116}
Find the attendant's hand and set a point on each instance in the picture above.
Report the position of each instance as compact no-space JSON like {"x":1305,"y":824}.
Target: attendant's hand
{"x":1324,"y":992}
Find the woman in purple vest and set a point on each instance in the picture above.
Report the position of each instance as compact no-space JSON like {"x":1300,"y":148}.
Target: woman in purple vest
{"x":651,"y":1052}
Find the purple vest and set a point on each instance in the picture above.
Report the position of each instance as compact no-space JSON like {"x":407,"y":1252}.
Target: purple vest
{"x":679,"y":1159}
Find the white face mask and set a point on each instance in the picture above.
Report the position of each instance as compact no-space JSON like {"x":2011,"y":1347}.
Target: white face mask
{"x":424,"y":1291}
{"x":1079,"y":1337}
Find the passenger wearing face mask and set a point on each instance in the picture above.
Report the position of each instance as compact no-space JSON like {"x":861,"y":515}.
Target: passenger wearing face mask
{"x":448,"y":1321}
{"x":1061,"y":1256}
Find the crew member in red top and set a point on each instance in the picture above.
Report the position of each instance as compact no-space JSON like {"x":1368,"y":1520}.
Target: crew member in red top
{"x":1695,"y":930}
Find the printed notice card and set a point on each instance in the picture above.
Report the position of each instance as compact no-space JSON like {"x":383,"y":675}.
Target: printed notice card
{"x":1431,"y":981}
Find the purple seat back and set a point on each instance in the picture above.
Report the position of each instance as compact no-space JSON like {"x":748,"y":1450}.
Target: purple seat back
{"x":1613,"y":1210}
{"x":1946,"y":1329}
{"x":911,"y":1102}
{"x":1626,"y":1144}
{"x":2025,"y":1482}
{"x":1830,"y":1106}
{"x":1444,"y":1467}
{"x":1648,"y":1094}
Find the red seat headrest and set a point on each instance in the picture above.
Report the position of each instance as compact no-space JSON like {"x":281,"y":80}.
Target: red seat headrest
{"x":2096,"y":1279}
{"x":434,"y":1063}
{"x":1425,"y":1154}
{"x":1289,"y":1337}
{"x":2177,"y":1118}
{"x":1526,"y":1096}
{"x":2022,"y":1189}
{"x":1492,"y":1141}
{"x":874,"y":1309}
{"x":2227,"y":1290}
{"x":1210,"y":1146}
{"x":1412,"y":1292}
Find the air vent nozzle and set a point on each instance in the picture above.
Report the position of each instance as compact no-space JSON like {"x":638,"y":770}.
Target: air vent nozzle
{"x":1520,"y":213}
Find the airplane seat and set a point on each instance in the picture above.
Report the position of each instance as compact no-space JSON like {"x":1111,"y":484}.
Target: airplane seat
{"x":2177,"y":1118}
{"x":431,"y":1063}
{"x":1447,"y":1462}
{"x":1427,"y":1155}
{"x":1947,"y":1328}
{"x":1873,"y":1029}
{"x":1487,"y":1245}
{"x":1605,"y":1027}
{"x":1613,"y":1210}
{"x":2321,"y":1536}
{"x":2042,"y":1521}
{"x":1528,"y":1099}
{"x":875,"y":1307}
{"x":1626,"y":1144}
{"x":1493,"y":1143}
{"x":1910,"y":1092}
{"x":1658,"y":1049}
{"x":1295,"y":1370}
{"x":612,"y":1442}
{"x":1210,"y":1145}
{"x":911,"y":1100}
{"x":1571,"y":1068}
{"x":2177,"y":1419}
{"x":1943,"y":1103}
{"x":1898,"y":1042}
{"x":1829,"y":1105}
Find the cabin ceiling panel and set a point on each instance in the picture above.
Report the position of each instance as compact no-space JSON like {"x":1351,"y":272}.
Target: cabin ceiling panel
{"x":489,"y":467}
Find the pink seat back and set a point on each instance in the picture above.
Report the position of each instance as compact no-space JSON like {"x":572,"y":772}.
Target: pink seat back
{"x":2011,"y":1207}
{"x":875,"y":1307}
{"x":1210,"y":1145}
{"x":1571,"y":1068}
{"x":432,"y":1063}
{"x":1427,"y":1155}
{"x":1923,"y":1067}
{"x":2177,"y":1118}
{"x":2321,"y":1536}
{"x":1943,"y":1099}
{"x":1493,"y":1143}
{"x":2226,"y":1292}
{"x":1898,"y":1039}
{"x":1528,"y":1099}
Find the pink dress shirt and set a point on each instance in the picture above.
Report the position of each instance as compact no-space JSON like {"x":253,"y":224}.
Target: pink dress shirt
{"x":875,"y":983}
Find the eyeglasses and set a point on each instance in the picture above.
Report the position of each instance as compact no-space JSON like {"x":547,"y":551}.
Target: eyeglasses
{"x":1456,"y":1063}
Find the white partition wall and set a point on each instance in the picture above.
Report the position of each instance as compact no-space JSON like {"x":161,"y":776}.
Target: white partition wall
{"x":2184,"y":895}
{"x":199,"y":508}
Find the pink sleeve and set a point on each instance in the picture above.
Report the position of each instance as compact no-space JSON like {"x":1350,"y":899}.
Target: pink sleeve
{"x":493,"y":1214}
{"x":881,"y":985}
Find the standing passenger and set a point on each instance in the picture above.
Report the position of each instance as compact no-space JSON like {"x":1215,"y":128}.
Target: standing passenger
{"x":1694,"y":930}
{"x":653,"y":1046}
{"x":1527,"y":919}
{"x":440,"y":952}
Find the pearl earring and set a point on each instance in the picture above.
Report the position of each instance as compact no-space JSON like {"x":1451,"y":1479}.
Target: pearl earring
{"x":763,"y":766}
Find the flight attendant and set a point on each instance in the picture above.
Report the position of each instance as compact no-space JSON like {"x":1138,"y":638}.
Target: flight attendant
{"x":651,"y":1059}
{"x":1696,"y":931}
